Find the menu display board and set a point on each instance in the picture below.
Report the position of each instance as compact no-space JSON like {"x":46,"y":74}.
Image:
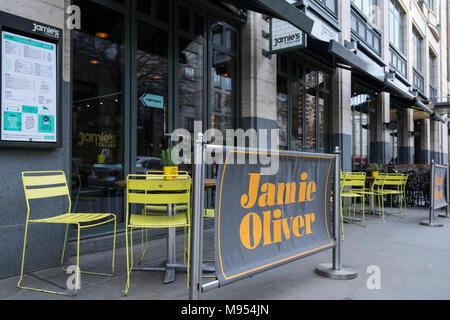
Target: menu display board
{"x":29,"y":75}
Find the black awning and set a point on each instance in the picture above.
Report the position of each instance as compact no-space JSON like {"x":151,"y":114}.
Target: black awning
{"x":400,"y":89}
{"x":277,"y":8}
{"x":363,"y":64}
{"x":359,"y":62}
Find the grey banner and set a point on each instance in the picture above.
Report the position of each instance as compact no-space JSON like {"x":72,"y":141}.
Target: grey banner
{"x":263,"y":221}
{"x":439,"y":186}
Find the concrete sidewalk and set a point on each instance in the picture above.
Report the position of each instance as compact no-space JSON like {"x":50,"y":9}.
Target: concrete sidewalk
{"x":414,"y":261}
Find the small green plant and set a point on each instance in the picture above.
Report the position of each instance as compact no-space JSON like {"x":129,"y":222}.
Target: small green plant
{"x":374,"y":167}
{"x":166,"y":158}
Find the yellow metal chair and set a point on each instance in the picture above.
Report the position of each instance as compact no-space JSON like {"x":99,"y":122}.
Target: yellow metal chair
{"x":376,"y":190}
{"x":395,"y":185}
{"x":352,"y":184}
{"x":157,"y":192}
{"x":49,"y":184}
{"x":156,"y":210}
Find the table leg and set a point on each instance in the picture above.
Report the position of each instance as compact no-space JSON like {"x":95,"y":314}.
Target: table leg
{"x":169,"y":275}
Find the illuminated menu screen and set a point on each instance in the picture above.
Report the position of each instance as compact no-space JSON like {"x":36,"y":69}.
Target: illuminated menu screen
{"x":28,"y":89}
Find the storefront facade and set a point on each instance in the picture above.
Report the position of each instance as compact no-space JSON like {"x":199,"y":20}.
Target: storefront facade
{"x":137,"y":70}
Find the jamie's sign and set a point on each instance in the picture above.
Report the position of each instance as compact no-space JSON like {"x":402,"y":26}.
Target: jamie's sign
{"x":263,"y":221}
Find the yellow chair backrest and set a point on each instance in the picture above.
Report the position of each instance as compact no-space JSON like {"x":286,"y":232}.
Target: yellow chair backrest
{"x":44,"y":184}
{"x":141,"y":190}
{"x":353,"y":179}
{"x":394,"y":179}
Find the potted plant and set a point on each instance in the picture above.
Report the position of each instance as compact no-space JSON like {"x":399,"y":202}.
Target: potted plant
{"x":374,"y":168}
{"x":170,"y":169}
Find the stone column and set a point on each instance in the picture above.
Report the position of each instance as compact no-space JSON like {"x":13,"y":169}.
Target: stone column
{"x":380,"y":136}
{"x":425,"y":142}
{"x":259,"y":77}
{"x":405,"y":139}
{"x":436,"y":145}
{"x":341,"y":118}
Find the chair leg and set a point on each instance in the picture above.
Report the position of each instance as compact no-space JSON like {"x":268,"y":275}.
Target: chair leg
{"x":64,"y":248}
{"x":127,"y":284}
{"x":23,"y":255}
{"x":342,"y":219}
{"x":188,"y":255}
{"x":19,"y":284}
{"x":143,"y":248}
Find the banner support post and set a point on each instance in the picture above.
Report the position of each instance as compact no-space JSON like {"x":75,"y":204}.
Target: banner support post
{"x":447,"y":211}
{"x":431,"y":221}
{"x":195,"y":287}
{"x":336,"y":270}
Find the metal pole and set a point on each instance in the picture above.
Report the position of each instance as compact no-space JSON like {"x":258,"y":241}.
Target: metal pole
{"x":336,"y":270}
{"x":431,"y":217}
{"x":337,"y":210}
{"x":196,"y":221}
{"x":430,"y":222}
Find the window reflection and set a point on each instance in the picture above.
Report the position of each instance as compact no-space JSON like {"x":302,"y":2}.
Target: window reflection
{"x":222,"y":114}
{"x":152,"y":96}
{"x":97,"y":125}
{"x":361,"y":106}
{"x":311,"y":82}
{"x":297,"y":96}
{"x":282,"y":111}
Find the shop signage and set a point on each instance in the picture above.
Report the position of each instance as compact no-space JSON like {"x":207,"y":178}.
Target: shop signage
{"x":29,"y":89}
{"x":152,"y":101}
{"x":284,"y":36}
{"x":321,"y":29}
{"x":102,"y":140}
{"x":263,"y":221}
{"x":439,"y":182}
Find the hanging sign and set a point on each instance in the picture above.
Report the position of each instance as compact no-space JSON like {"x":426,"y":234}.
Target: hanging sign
{"x":263,"y":221}
{"x":284,"y":36}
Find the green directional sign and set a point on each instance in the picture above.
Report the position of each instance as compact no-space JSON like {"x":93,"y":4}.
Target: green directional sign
{"x":152,"y":101}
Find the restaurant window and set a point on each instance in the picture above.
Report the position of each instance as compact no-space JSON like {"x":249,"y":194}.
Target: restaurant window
{"x":98,"y":110}
{"x":432,"y":76}
{"x":224,"y":75}
{"x":362,"y":105}
{"x":368,"y":8}
{"x":329,"y":5}
{"x":431,"y":5}
{"x":417,"y":50}
{"x":140,"y":71}
{"x":152,"y":95}
{"x":396,"y":23}
{"x":303,"y":106}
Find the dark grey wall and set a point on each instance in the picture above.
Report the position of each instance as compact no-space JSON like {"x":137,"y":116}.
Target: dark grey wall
{"x":45,"y":241}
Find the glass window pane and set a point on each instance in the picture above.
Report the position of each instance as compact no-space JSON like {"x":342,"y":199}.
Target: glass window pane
{"x":297,"y":96}
{"x":311,"y":81}
{"x":282,"y":111}
{"x":190,"y":83}
{"x":223,"y":114}
{"x":162,"y":10}
{"x":217,"y":33}
{"x":152,"y":96}
{"x":184,"y":20}
{"x":145,"y":6}
{"x":97,"y":114}
{"x":230,"y":39}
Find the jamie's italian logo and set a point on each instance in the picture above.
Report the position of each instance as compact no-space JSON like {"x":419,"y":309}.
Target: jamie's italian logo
{"x":269,"y":227}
